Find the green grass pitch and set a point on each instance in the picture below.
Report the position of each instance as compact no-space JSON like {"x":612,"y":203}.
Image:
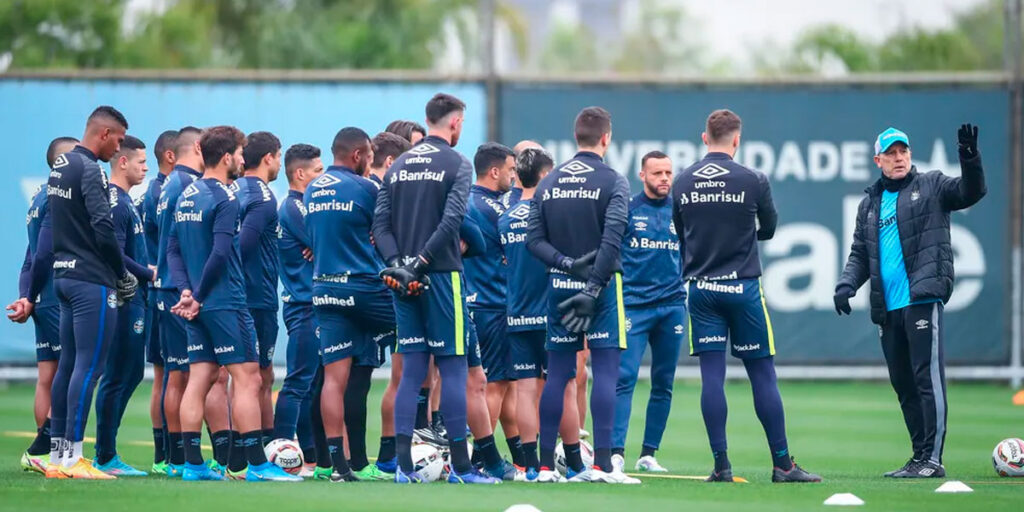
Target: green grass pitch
{"x":850,"y":433}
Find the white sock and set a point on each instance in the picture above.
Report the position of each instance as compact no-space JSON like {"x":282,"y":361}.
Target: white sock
{"x":73,"y":453}
{"x":56,"y":450}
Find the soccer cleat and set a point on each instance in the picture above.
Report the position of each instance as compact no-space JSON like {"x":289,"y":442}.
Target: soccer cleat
{"x":307,"y":470}
{"x":320,"y":473}
{"x":388,"y":466}
{"x":905,"y":467}
{"x":349,"y":476}
{"x":371,"y":473}
{"x":53,"y":471}
{"x":198,"y":472}
{"x":159,"y":468}
{"x":85,"y":470}
{"x":549,"y":476}
{"x":474,"y":476}
{"x":216,"y":467}
{"x":531,"y":474}
{"x":430,"y":436}
{"x":118,"y":467}
{"x":598,"y":476}
{"x":922,"y":469}
{"x":724,"y":475}
{"x":649,"y":464}
{"x":175,"y":470}
{"x":241,"y":474}
{"x":584,"y":434}
{"x":410,"y":478}
{"x":35,"y":463}
{"x":582,"y":476}
{"x":796,"y":474}
{"x":618,"y":462}
{"x":269,"y":472}
{"x":506,"y":471}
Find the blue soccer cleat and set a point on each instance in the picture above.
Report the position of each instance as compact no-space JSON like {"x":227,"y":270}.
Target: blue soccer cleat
{"x":504,"y":471}
{"x":118,"y":467}
{"x":388,"y":466}
{"x":175,"y":470}
{"x":200,"y":472}
{"x":474,"y":476}
{"x":410,"y":478}
{"x":532,"y":474}
{"x":269,"y":472}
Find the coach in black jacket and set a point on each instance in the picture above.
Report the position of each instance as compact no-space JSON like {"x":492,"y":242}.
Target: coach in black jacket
{"x":901,"y":243}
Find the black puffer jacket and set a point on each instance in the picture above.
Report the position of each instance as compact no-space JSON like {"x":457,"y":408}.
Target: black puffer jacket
{"x":922,"y":215}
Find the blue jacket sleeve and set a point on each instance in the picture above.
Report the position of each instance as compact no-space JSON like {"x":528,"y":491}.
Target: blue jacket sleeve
{"x":383,"y":236}
{"x":454,"y":211}
{"x":295,"y":220}
{"x":470,"y":233}
{"x":175,"y":263}
{"x":609,"y":253}
{"x":42,"y":262}
{"x":255,"y":222}
{"x":25,"y":277}
{"x":537,"y":238}
{"x":96,"y":197}
{"x":224,"y":220}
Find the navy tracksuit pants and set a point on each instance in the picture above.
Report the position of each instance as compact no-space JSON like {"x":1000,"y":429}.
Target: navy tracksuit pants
{"x":126,"y":361}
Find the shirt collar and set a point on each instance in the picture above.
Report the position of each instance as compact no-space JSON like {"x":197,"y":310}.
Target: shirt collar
{"x":294,"y":194}
{"x":717,"y":155}
{"x":160,"y":177}
{"x":433,"y":138}
{"x":657,"y":203}
{"x":589,"y":154}
{"x":341,"y":168}
{"x":119,"y":189}
{"x":486,"y":191}
{"x":187,"y":169}
{"x":85,"y":151}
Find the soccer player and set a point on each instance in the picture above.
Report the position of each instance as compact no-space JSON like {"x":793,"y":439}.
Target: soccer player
{"x":908,"y":260}
{"x":302,"y":165}
{"x":187,"y":168}
{"x":257,"y":241}
{"x":353,"y":308}
{"x":205,"y":264}
{"x":90,"y":280}
{"x":516,"y":192}
{"x":721,"y":209}
{"x":408,"y":130}
{"x":45,"y":313}
{"x":126,"y":359}
{"x":655,"y":308}
{"x":485,"y":283}
{"x":163,"y":150}
{"x":416,"y":224}
{"x":386,"y":148}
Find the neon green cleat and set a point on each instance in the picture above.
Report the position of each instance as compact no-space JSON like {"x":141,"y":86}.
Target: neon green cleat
{"x":372,"y":473}
{"x":322,"y":473}
{"x":235,"y":475}
{"x":35,"y":463}
{"x":159,"y":468}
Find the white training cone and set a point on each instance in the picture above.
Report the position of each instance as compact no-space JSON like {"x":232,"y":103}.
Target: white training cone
{"x":844,"y":499}
{"x":954,"y":486}
{"x":522,"y":507}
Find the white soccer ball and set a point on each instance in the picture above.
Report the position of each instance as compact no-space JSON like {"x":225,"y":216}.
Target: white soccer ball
{"x":1008,"y":457}
{"x":586,"y":453}
{"x":428,"y":461}
{"x":286,"y":454}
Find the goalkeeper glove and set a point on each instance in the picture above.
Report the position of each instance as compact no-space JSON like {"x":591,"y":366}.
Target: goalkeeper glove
{"x":578,"y":310}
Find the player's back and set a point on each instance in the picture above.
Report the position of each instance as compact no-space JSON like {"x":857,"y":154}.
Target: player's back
{"x":255,"y":198}
{"x":339,"y":215}
{"x":418,"y":185}
{"x":75,"y":179}
{"x":527,"y":275}
{"x":717,"y":202}
{"x":176,"y":182}
{"x":485,"y":273}
{"x":38,"y":212}
{"x":205,"y":208}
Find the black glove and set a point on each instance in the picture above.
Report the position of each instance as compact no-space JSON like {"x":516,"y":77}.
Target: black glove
{"x":967,"y":141}
{"x":580,"y":267}
{"x":578,"y":310}
{"x":126,"y":287}
{"x":409,"y":279}
{"x":842,"y":300}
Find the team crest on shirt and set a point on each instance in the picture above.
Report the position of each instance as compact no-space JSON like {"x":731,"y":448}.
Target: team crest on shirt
{"x":629,"y":324}
{"x":139,"y":326}
{"x":112,"y":300}
{"x":576,"y":168}
{"x":711,"y":171}
{"x":326,"y":180}
{"x":915,"y":195}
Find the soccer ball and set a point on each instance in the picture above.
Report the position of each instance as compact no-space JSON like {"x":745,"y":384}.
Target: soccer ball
{"x":428,"y":461}
{"x":586,"y":453}
{"x":286,"y":454}
{"x":1008,"y":457}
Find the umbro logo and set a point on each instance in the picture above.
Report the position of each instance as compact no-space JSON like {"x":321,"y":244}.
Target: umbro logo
{"x":423,"y":149}
{"x":326,"y":180}
{"x":61,"y":161}
{"x":190,"y":191}
{"x":520,"y":212}
{"x":576,"y":167}
{"x":641,"y":226}
{"x":921,"y":324}
{"x":711,"y":171}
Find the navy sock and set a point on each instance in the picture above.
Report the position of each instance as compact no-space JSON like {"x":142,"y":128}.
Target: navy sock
{"x":721,"y":461}
{"x":619,"y":451}
{"x":561,"y":366}
{"x":515,"y":448}
{"x":530,"y":455}
{"x":266,"y":436}
{"x":478,"y":456}
{"x":355,"y":414}
{"x":177,"y":448}
{"x":387,"y":449}
{"x":308,"y":454}
{"x":712,"y":402}
{"x":768,"y":405}
{"x":454,"y":371}
{"x":221,"y":441}
{"x":158,"y":445}
{"x":422,"y":403}
{"x":647,"y":451}
{"x":604,"y":364}
{"x":414,"y":370}
{"x":489,"y":450}
{"x":236,"y":455}
{"x":41,"y":444}
{"x":573,"y":457}
{"x":403,"y":446}
{"x":253,"y":444}
{"x":337,"y":447}
{"x":193,"y":453}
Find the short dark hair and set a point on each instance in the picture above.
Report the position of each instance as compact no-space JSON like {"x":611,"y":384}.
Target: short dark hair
{"x":258,"y":145}
{"x":405,"y":129}
{"x":131,"y":143}
{"x":219,"y":141}
{"x":165,"y":142}
{"x":722,"y":123}
{"x":347,"y":140}
{"x":653,"y":154}
{"x":51,"y":150}
{"x":591,"y":124}
{"x":490,"y":154}
{"x":297,"y":155}
{"x":441,"y":105}
{"x":529,"y":164}
{"x":109,"y":113}
{"x":187,"y":136}
{"x":387,"y":144}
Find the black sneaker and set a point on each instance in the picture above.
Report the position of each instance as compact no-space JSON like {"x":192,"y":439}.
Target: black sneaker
{"x":724,"y":475}
{"x":795,"y":474}
{"x":347,"y":477}
{"x":905,"y":467}
{"x":439,"y":428}
{"x":430,"y":436}
{"x":922,"y":469}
